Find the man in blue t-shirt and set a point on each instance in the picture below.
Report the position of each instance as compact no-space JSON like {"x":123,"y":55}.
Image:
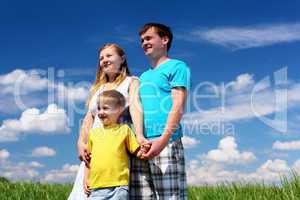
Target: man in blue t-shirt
{"x":163,"y":92}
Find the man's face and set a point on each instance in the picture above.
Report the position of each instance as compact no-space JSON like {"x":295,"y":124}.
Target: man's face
{"x":152,"y":43}
{"x":108,"y":113}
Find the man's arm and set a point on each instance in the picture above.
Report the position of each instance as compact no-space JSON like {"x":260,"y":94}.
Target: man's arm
{"x":179,"y":95}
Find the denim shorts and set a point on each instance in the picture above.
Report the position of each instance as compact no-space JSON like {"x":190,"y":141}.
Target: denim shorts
{"x":112,"y":193}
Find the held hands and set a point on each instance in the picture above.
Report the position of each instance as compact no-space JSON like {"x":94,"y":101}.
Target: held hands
{"x":156,"y":147}
{"x":145,"y":145}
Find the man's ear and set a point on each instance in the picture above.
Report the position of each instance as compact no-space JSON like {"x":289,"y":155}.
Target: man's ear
{"x":165,"y":40}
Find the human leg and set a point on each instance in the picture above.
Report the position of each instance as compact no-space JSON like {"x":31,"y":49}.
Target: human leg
{"x":141,"y":184}
{"x":168,"y":172}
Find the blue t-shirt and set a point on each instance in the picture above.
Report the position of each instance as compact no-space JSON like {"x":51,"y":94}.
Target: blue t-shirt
{"x":155,"y":93}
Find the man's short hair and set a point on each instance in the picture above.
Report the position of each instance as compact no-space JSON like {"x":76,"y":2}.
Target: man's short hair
{"x":161,"y":29}
{"x":112,"y":97}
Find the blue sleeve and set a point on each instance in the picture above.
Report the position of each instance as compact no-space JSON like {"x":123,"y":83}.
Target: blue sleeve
{"x":180,"y":76}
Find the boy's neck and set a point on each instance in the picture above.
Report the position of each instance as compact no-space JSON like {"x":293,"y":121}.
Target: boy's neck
{"x":158,"y":60}
{"x":110,"y":125}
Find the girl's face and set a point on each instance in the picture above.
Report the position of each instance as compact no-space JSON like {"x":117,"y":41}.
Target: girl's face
{"x":110,"y":60}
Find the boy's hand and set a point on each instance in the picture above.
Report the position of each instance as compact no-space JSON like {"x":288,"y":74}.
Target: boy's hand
{"x":145,"y":147}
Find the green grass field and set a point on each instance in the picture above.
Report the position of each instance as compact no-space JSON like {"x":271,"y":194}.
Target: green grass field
{"x":287,"y":190}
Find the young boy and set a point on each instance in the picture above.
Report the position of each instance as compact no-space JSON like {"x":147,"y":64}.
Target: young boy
{"x":107,"y":176}
{"x":163,"y":91}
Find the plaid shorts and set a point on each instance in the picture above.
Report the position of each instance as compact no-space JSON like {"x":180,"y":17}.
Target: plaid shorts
{"x":160,"y":178}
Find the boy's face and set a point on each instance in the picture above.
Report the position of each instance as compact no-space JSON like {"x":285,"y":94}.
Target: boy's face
{"x":108,"y":113}
{"x":153,"y":44}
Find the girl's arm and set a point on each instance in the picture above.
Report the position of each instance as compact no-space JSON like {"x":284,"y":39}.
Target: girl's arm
{"x":86,"y":185}
{"x":83,"y":135}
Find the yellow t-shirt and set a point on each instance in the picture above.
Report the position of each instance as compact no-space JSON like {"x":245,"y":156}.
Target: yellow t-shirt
{"x":109,"y":149}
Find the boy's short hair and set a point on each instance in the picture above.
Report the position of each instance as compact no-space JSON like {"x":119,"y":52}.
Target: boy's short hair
{"x":161,"y":29}
{"x":112,"y":97}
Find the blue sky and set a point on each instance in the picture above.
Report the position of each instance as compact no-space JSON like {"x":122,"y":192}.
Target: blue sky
{"x":48,"y":59}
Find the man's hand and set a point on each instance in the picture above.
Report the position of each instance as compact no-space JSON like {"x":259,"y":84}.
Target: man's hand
{"x":84,"y":155}
{"x":156,"y":147}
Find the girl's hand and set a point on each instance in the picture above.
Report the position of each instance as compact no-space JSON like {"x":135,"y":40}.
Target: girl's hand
{"x":86,"y":187}
{"x":84,"y":155}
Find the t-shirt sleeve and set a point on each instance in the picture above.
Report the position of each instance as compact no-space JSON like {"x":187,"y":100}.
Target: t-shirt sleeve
{"x":180,"y":76}
{"x":131,"y":141}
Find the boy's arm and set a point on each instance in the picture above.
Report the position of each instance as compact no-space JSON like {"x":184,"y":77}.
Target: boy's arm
{"x":133,"y":146}
{"x":179,"y":95}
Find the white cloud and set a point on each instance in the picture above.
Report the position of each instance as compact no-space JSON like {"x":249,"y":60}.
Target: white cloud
{"x":22,"y":82}
{"x":270,"y":171}
{"x":292,"y":145}
{"x":20,"y":171}
{"x":276,"y":165}
{"x":4,"y":154}
{"x":236,"y":106}
{"x":54,"y":120}
{"x":243,"y":81}
{"x":214,"y":173}
{"x":65,"y":175}
{"x":294,"y":94}
{"x":35,"y":164}
{"x":189,"y":142}
{"x":43,"y":152}
{"x":10,"y":104}
{"x":128,"y":38}
{"x":275,"y":154}
{"x":75,"y":93}
{"x":249,"y":37}
{"x":7,"y":134}
{"x":296,"y":166}
{"x":29,"y":171}
{"x":18,"y":90}
{"x":228,"y":153}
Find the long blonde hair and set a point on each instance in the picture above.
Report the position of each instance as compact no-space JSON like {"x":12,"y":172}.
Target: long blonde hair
{"x":101,"y":77}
